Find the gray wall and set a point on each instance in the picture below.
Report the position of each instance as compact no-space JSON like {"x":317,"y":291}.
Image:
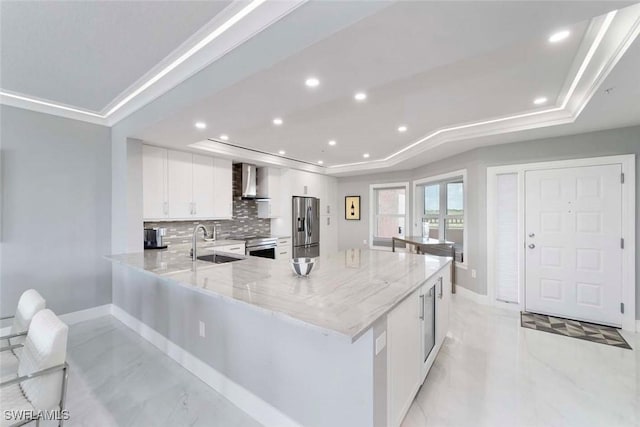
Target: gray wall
{"x":594,"y":144}
{"x":56,"y":210}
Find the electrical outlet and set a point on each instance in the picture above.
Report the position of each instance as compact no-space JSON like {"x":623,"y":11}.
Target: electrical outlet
{"x":381,"y":342}
{"x":473,"y":274}
{"x":202,"y":331}
{"x":364,"y":242}
{"x":306,"y":189}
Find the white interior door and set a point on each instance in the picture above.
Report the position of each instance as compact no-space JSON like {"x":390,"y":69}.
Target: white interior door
{"x":573,"y":225}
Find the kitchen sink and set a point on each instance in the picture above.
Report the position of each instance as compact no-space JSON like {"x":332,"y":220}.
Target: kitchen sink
{"x":218,"y":259}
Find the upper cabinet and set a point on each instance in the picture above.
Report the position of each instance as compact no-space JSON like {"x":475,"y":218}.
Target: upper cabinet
{"x":268,"y":187}
{"x":154,"y":178}
{"x":178,"y":185}
{"x":204,"y":201}
{"x":223,"y":189}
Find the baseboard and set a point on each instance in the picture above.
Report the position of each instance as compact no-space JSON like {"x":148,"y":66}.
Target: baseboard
{"x":87,"y":314}
{"x":470,"y":295}
{"x":257,"y":408}
{"x":75,"y":316}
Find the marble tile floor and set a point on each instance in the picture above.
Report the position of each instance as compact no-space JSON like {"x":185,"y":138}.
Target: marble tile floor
{"x":492,"y":372}
{"x":119,"y":379}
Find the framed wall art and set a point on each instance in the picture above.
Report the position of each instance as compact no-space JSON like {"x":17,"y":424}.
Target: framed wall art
{"x":352,"y":208}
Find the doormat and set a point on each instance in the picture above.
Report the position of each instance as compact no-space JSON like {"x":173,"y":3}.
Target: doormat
{"x":573,"y":328}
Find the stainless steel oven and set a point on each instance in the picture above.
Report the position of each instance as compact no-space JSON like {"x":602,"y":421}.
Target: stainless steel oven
{"x":264,"y":247}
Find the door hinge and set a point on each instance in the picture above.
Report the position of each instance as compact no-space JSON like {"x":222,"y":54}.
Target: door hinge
{"x":622,"y":243}
{"x":622,"y":178}
{"x":622,"y":307}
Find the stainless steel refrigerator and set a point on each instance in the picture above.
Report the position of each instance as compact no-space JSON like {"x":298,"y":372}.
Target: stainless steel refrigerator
{"x":306,"y":227}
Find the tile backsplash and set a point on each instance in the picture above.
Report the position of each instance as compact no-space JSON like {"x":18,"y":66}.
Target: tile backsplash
{"x":245,"y":222}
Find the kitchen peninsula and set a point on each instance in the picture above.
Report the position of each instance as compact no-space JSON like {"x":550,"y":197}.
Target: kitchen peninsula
{"x":347,"y":346}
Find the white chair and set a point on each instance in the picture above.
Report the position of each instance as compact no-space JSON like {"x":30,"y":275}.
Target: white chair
{"x":29,"y":304}
{"x":41,"y":382}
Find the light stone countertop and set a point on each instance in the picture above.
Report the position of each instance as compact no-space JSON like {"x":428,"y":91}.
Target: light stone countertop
{"x":346,"y":293}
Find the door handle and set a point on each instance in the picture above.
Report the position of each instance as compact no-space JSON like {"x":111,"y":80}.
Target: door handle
{"x":532,"y":234}
{"x":531,"y":246}
{"x":441,"y":288}
{"x":421,"y":307}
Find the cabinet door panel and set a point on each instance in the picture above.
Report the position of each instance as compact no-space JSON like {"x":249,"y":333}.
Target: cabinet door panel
{"x":180,"y":184}
{"x":154,"y":182}
{"x":403,"y":357}
{"x":203,"y":187}
{"x":223,"y":191}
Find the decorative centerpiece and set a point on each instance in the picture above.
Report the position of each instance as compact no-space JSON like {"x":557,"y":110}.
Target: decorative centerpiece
{"x":302,"y":266}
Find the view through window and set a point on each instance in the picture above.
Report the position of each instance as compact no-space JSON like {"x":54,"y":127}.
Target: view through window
{"x":444,"y":212}
{"x":390,"y":211}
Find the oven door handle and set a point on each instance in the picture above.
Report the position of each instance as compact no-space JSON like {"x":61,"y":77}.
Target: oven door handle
{"x":261,"y":247}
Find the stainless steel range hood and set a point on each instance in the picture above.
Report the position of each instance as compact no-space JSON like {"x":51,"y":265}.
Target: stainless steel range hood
{"x":248,"y":182}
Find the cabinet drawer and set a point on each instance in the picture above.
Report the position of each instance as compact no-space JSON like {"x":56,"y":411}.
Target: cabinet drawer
{"x":284,"y":242}
{"x":233,"y":249}
{"x":282,"y":253}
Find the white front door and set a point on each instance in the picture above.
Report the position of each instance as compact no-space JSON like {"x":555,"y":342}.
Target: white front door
{"x":573,"y":225}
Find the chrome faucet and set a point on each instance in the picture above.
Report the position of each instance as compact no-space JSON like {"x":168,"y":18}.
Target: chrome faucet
{"x":214,"y":231}
{"x":194,"y":242}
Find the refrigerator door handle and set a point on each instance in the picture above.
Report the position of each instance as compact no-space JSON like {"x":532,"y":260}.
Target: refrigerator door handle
{"x":309,"y":222}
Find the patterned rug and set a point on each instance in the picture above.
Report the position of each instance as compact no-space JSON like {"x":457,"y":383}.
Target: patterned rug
{"x":573,"y":328}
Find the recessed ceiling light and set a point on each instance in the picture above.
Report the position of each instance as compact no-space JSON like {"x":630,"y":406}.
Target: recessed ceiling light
{"x":540,"y":100}
{"x":312,"y":82}
{"x":277,"y":121}
{"x":282,"y":152}
{"x":559,"y":36}
{"x":402,"y":128}
{"x":332,"y":142}
{"x":224,"y":137}
{"x":201,"y":125}
{"x":320,"y":162}
{"x":365,"y":155}
{"x":360,"y":96}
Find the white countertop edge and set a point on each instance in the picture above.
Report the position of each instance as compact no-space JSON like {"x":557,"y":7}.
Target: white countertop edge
{"x":286,"y":317}
{"x":325,"y":331}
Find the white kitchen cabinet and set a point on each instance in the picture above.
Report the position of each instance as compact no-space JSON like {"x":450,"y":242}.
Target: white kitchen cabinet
{"x":154,"y":183}
{"x":328,"y":234}
{"x":183,"y":186}
{"x":328,"y":199}
{"x":180,"y":167}
{"x":414,"y":340}
{"x":268,"y":186}
{"x":403,"y":358}
{"x":238,"y":248}
{"x":223,"y":189}
{"x":443,"y":304}
{"x":283,"y":251}
{"x":203,"y":187}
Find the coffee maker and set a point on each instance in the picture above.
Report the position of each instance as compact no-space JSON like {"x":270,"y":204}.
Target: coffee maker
{"x":153,"y":238}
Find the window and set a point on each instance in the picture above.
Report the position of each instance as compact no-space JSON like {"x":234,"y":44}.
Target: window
{"x":443,"y":211}
{"x":389,"y":213}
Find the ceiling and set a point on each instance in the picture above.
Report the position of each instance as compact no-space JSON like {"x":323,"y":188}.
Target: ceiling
{"x":426,"y":65}
{"x":86,"y":53}
{"x":459,"y":75}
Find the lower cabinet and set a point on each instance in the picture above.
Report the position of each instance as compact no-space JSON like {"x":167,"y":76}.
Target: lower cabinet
{"x":416,"y":329}
{"x":283,"y":251}
{"x":403,"y":358}
{"x":238,"y":248}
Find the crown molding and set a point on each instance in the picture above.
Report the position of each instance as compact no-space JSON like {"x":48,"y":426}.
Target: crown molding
{"x":210,"y":43}
{"x":14,"y":99}
{"x":606,"y":40}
